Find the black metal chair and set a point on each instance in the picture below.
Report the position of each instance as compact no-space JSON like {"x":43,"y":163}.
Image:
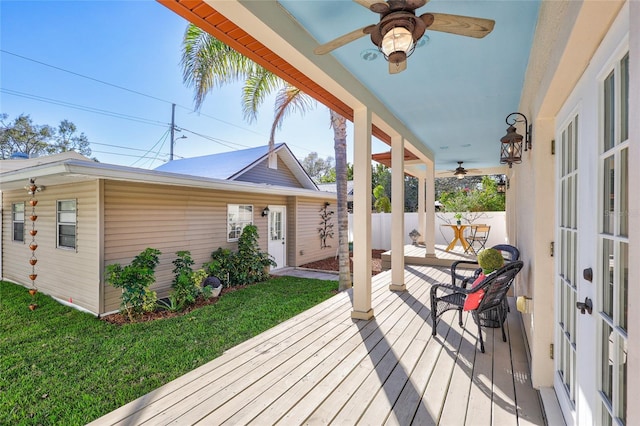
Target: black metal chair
{"x":445,"y":297}
{"x":510,"y":253}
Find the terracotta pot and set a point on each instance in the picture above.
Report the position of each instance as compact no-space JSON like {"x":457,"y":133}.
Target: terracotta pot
{"x":33,"y":203}
{"x":33,"y":306}
{"x":33,"y":291}
{"x":32,"y":277}
{"x":33,"y":188}
{"x":33,"y":218}
{"x":33,"y":232}
{"x":33,"y":246}
{"x":33,"y":261}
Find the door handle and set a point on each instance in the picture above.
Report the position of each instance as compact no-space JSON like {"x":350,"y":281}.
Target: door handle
{"x":587,"y":305}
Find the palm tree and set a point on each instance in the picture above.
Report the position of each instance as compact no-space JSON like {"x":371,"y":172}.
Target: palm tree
{"x":207,"y":62}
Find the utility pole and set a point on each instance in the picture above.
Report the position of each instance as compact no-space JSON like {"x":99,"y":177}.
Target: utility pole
{"x":173,"y":129}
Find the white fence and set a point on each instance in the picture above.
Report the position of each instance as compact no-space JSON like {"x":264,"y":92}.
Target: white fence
{"x":381,"y":228}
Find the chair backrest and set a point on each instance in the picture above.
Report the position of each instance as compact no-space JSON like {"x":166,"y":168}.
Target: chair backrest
{"x":514,"y":253}
{"x":497,"y":284}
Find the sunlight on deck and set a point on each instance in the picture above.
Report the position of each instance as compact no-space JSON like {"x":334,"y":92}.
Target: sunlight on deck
{"x":322,"y":367}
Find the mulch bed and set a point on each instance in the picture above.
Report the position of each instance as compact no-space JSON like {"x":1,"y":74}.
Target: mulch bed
{"x":331,"y":263}
{"x":120,"y":319}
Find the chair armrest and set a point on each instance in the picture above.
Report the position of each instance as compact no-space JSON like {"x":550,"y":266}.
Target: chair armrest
{"x":451,"y":288}
{"x":464,"y":278}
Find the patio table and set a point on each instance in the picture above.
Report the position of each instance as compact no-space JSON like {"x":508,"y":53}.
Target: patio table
{"x":458,"y":236}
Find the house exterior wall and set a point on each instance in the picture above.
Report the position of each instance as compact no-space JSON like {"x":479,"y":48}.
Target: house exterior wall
{"x":261,"y":173}
{"x":572,"y":36}
{"x":173,"y":218}
{"x":63,"y":273}
{"x":307,"y":237}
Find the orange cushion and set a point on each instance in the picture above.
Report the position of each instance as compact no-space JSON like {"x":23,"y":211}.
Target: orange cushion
{"x":473,"y":300}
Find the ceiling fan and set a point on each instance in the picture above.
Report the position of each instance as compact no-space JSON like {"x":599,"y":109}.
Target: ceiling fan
{"x":460,"y":172}
{"x":399,"y":29}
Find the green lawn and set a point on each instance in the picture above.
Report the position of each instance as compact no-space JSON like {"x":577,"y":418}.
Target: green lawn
{"x":61,"y":366}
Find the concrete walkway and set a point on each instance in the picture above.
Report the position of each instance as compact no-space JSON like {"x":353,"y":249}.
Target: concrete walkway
{"x":306,"y":273}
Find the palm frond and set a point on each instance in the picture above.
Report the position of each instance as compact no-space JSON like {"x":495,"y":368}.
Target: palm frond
{"x":257,"y":87}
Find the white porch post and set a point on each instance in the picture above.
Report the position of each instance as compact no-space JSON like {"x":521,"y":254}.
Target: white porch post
{"x":362,"y":214}
{"x":430,"y":235}
{"x":397,"y":214}
{"x":422,"y":218}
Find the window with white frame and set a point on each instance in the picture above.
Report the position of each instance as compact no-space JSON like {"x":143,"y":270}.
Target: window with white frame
{"x":238,"y":216}
{"x":66,"y":223}
{"x":17,"y":218}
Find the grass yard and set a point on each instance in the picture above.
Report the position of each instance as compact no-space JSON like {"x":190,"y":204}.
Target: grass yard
{"x":61,"y":366}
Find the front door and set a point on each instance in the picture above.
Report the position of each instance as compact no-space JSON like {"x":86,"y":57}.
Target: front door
{"x":592,"y":243}
{"x":277,"y":233}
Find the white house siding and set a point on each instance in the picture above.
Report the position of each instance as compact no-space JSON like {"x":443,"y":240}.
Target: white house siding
{"x":63,"y":273}
{"x":171,"y":218}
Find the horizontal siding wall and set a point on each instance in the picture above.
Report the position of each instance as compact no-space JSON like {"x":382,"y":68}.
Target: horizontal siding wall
{"x":261,"y":173}
{"x":62,"y":273}
{"x":169,"y":218}
{"x":307,"y":235}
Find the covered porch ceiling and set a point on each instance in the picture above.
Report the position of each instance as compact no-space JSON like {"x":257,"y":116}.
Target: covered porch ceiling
{"x":449,"y":104}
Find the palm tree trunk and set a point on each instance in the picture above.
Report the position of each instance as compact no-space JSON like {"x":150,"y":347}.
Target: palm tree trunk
{"x":339,"y":125}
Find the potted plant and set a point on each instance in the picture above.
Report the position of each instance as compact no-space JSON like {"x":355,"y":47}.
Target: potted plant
{"x":458,"y":217}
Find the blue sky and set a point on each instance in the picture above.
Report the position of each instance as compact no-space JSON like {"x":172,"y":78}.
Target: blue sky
{"x":134,"y":45}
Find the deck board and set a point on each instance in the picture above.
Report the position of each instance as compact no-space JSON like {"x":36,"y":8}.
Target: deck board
{"x":323,"y":367}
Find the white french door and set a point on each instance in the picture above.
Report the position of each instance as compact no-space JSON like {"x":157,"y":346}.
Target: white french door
{"x":277,"y":225}
{"x":566,"y":345}
{"x":613,"y":243}
{"x":592,"y":240}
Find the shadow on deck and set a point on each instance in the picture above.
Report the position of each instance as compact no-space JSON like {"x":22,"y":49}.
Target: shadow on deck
{"x":417,"y":255}
{"x":322,"y":367}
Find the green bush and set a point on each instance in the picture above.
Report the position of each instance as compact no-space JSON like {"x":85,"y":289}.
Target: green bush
{"x":248,"y":265}
{"x":135,"y":280}
{"x":490,"y":260}
{"x":185,"y":290}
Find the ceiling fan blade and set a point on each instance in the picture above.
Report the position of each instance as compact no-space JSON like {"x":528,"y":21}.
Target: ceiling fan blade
{"x":468,"y":26}
{"x":342,"y":40}
{"x":378,"y":6}
{"x":395,"y":68}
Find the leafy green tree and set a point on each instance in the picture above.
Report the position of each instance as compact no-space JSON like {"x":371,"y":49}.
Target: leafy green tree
{"x":66,"y":138}
{"x":317,"y":167}
{"x":382,"y":203}
{"x":23,"y":136}
{"x":469,"y":201}
{"x":207,"y":63}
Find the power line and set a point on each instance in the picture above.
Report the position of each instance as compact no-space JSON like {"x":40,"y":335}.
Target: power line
{"x":83,"y":76}
{"x":83,"y":107}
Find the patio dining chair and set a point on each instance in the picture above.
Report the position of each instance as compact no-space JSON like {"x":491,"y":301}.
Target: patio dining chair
{"x":488,"y":294}
{"x":478,"y":235}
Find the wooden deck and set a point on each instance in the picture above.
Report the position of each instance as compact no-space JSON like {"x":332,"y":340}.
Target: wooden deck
{"x":322,"y":367}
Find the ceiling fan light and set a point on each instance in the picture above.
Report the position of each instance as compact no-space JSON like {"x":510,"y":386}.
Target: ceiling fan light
{"x":397,"y":39}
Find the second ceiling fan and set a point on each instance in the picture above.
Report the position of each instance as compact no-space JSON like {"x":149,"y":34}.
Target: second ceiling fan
{"x":400,"y":28}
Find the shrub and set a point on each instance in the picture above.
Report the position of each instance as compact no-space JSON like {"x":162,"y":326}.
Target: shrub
{"x":185,"y":290}
{"x":490,"y":260}
{"x":248,"y":265}
{"x":135,"y":280}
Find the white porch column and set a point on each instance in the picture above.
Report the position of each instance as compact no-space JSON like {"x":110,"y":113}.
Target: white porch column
{"x":397,"y":214}
{"x":430,"y":235}
{"x":422,"y":218}
{"x":362,"y":214}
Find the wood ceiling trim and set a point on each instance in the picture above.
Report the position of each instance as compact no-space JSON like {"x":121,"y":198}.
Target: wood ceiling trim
{"x":211,"y":21}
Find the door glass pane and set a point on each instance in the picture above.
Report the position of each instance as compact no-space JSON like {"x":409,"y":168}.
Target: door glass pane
{"x":624,"y":284}
{"x":622,"y":379}
{"x":624,"y":192}
{"x":609,"y":113}
{"x":608,"y":263}
{"x":606,"y":417}
{"x":575,"y":142}
{"x":608,"y":176}
{"x":607,"y":361}
{"x":624,"y":98}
